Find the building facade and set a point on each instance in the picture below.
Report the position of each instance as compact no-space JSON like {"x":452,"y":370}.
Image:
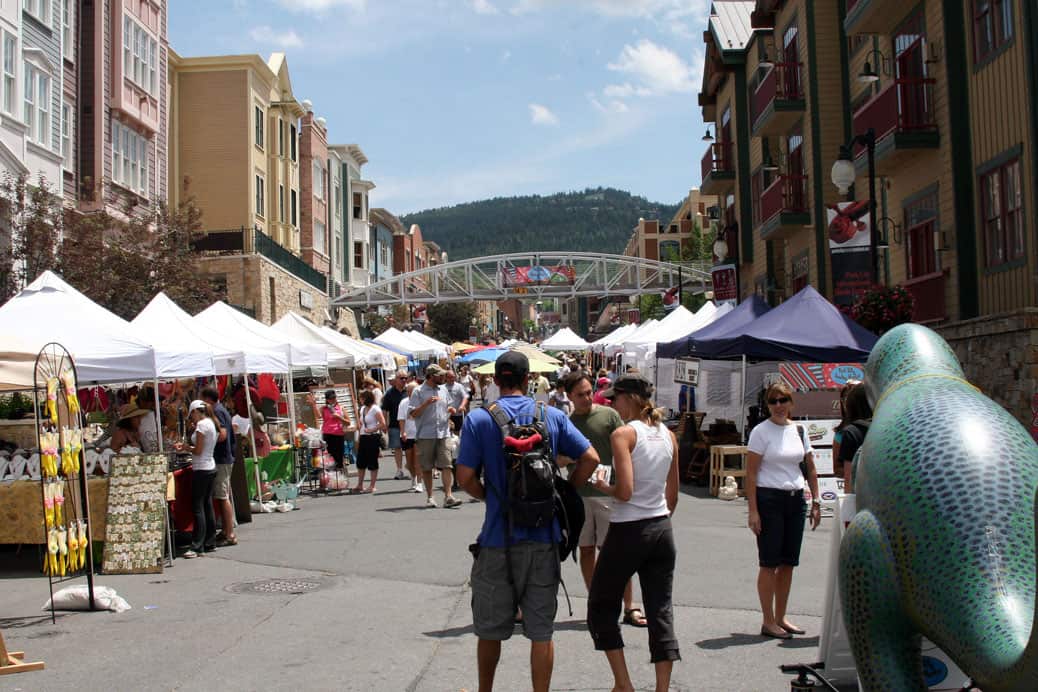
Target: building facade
{"x":314,"y":191}
{"x":122,"y":149}
{"x":384,"y":228}
{"x":356,"y":237}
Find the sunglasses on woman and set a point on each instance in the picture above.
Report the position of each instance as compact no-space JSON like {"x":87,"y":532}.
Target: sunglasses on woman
{"x":779,"y":400}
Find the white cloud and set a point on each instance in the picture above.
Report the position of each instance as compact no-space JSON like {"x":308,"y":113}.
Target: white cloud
{"x":267,"y":36}
{"x":506,"y":56}
{"x":484,"y":7}
{"x":614,"y":106}
{"x":659,"y":70}
{"x":624,"y":91}
{"x":322,"y":5}
{"x":611,"y":8}
{"x":542,"y":115}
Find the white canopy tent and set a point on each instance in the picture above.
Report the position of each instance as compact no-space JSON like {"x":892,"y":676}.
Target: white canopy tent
{"x":643,"y":353}
{"x":300,"y":356}
{"x":49,"y":310}
{"x":421,"y":338}
{"x":617,"y":346}
{"x":564,"y":340}
{"x":613,"y":337}
{"x":365,"y":354}
{"x":405,"y":343}
{"x":301,"y":330}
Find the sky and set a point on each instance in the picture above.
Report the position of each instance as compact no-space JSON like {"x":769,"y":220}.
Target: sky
{"x":461,"y":100}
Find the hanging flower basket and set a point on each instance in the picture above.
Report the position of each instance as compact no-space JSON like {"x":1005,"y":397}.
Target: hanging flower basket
{"x":881,"y":308}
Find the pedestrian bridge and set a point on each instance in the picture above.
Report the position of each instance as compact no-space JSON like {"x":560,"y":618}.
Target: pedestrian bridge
{"x":532,"y":276}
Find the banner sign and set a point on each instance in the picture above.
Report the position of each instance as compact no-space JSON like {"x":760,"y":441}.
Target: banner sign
{"x":850,"y":243}
{"x":536,"y":275}
{"x":804,"y":377}
{"x":726,"y":290}
{"x":686,"y":371}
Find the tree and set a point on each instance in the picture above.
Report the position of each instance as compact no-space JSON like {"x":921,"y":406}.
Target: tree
{"x":450,"y":322}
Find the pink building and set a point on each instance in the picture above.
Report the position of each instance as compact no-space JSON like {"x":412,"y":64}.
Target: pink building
{"x":314,"y":190}
{"x":123,"y":54}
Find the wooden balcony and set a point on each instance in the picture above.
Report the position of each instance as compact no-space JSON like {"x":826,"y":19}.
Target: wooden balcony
{"x":784,"y":207}
{"x":717,"y":169}
{"x":778,"y":102}
{"x":929,"y":293}
{"x":873,"y":16}
{"x":904,"y":119}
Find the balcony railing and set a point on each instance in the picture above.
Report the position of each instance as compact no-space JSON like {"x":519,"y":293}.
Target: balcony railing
{"x":220,"y":242}
{"x":281,"y":256}
{"x":906,"y":105}
{"x":717,"y":159}
{"x":786,"y":195}
{"x":782,"y":83}
{"x":928,"y":291}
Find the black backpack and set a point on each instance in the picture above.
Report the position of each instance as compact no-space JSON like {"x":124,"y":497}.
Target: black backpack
{"x":536,"y":492}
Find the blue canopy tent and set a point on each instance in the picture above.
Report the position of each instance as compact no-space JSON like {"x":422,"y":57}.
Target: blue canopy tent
{"x":806,"y":328}
{"x":483,"y":356}
{"x":411,"y":362}
{"x":733,"y":323}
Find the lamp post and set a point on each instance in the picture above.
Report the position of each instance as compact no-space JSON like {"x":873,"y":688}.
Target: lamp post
{"x":843,"y":175}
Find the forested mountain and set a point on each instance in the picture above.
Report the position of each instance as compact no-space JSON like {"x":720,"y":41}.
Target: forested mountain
{"x":595,"y":220}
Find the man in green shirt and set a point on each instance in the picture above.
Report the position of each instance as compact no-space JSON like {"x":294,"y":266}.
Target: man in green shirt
{"x":597,"y":423}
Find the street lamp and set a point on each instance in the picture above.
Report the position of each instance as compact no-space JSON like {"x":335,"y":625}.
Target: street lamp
{"x":720,"y":247}
{"x":843,"y":175}
{"x":707,"y":137}
{"x":869,"y":75}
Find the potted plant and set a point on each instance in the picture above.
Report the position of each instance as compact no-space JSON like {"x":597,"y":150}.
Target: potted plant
{"x":882,"y":308}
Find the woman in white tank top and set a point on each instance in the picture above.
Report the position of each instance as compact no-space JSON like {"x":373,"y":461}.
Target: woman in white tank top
{"x":640,"y":540}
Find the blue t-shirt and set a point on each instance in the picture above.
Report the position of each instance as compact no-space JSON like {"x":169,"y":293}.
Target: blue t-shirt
{"x":223,"y":453}
{"x":480,"y":450}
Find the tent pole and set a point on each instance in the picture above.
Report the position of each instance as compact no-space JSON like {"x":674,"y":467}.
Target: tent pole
{"x":252,"y":431}
{"x":291,"y":409}
{"x":158,"y":413}
{"x":742,"y":401}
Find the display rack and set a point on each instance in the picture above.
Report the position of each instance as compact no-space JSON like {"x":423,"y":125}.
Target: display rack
{"x":63,"y":485}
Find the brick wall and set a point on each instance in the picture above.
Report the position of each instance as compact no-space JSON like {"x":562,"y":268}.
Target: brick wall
{"x":999,"y":354}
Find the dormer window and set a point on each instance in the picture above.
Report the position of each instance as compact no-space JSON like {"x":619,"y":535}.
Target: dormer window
{"x":140,"y":55}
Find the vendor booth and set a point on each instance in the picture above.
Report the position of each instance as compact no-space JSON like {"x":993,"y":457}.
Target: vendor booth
{"x":565,"y":340}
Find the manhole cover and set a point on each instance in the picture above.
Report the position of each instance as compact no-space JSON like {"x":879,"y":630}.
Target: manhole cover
{"x":276,"y":586}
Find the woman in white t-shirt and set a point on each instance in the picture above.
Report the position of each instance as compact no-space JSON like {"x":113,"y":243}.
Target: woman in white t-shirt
{"x":408,"y":436}
{"x":203,"y":472}
{"x":640,"y":539}
{"x":775,"y":492}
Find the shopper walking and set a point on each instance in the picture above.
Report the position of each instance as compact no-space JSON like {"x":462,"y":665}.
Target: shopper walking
{"x":224,"y":456}
{"x":775,"y":492}
{"x":640,"y":539}
{"x":408,"y":438}
{"x":429,"y":409}
{"x":372,"y":425}
{"x":206,"y":429}
{"x":390,"y":405}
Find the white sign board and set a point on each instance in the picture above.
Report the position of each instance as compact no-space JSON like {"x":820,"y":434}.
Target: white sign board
{"x":686,"y":371}
{"x":823,"y":457}
{"x":820,"y":432}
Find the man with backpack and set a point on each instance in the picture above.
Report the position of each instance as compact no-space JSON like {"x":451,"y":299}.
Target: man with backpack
{"x":517,"y":562}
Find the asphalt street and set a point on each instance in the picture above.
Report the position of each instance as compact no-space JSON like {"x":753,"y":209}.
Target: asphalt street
{"x":378,"y":599}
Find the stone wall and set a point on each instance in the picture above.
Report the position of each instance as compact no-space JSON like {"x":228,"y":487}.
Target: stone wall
{"x":999,"y":354}
{"x":249,"y":281}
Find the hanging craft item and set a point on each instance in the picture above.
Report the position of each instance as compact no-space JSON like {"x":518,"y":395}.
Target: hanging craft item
{"x":48,"y":505}
{"x":50,"y":564}
{"x":49,"y":454}
{"x":59,"y":502}
{"x":52,"y":400}
{"x":62,"y":550}
{"x":70,"y":452}
{"x":68,"y":379}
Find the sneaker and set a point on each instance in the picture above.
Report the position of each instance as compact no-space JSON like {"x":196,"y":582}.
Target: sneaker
{"x":188,"y":554}
{"x":452,"y":502}
{"x":431,"y":503}
{"x":420,"y":488}
{"x":400,"y":476}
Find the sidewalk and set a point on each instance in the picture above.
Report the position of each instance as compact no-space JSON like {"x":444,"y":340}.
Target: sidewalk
{"x":390,"y":610}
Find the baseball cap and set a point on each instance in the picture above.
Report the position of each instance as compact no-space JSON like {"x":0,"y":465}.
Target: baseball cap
{"x":513,"y":364}
{"x":197,"y":404}
{"x":433,"y":369}
{"x":630,"y":383}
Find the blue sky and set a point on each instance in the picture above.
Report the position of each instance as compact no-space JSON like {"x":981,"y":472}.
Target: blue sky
{"x":459,"y":100}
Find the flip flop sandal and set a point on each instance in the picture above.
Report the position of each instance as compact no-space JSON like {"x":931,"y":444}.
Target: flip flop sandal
{"x":635,"y":620}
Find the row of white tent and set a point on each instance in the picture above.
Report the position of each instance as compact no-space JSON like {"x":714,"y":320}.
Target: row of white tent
{"x":163,"y":341}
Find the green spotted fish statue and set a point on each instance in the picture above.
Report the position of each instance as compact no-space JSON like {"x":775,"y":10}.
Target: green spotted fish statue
{"x":943,"y":544}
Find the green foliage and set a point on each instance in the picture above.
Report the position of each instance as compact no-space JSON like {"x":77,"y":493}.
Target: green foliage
{"x":15,"y":406}
{"x":882,"y":308}
{"x":595,"y":220}
{"x":449,"y":322}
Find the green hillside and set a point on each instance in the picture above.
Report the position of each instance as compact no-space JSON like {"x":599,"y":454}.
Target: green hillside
{"x":595,"y":220}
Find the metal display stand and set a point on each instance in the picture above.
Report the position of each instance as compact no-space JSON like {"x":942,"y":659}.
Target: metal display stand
{"x":54,"y":376}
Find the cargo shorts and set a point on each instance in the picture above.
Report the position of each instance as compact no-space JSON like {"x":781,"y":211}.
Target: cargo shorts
{"x":535,"y":569}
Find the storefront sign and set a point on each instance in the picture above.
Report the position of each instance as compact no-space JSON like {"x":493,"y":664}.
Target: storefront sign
{"x":808,"y":376}
{"x":850,"y":240}
{"x":306,"y":300}
{"x":686,"y":371}
{"x":726,"y":289}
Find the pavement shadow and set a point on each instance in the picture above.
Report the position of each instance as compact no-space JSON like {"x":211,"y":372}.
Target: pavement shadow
{"x":800,"y":643}
{"x":735,"y":639}
{"x":29,"y":621}
{"x":697,"y":491}
{"x":408,"y":508}
{"x":565,"y":626}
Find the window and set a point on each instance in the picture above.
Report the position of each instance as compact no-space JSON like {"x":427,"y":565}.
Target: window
{"x":36,"y":112}
{"x":129,"y":158}
{"x":1001,"y":201}
{"x":67,"y":49}
{"x":920,"y":217}
{"x":319,"y":232}
{"x":10,"y":75}
{"x":259,"y":127}
{"x":140,"y":56}
{"x":358,"y":255}
{"x":66,"y":135}
{"x":318,"y":182}
{"x":281,"y":203}
{"x":260,"y":201}
{"x":358,"y":205}
{"x":281,"y":137}
{"x":338,"y":197}
{"x":39,"y":9}
{"x":293,"y":209}
{"x":992,"y":27}
{"x":292,"y":140}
